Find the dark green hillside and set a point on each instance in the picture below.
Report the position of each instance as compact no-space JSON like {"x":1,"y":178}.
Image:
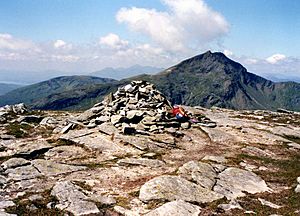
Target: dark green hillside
{"x":4,"y":88}
{"x":209,"y":79}
{"x":38,"y":93}
{"x":212,"y":79}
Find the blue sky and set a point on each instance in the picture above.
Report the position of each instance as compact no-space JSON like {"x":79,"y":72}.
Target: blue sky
{"x":88,"y":35}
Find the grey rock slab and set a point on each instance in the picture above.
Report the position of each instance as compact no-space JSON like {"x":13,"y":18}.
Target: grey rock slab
{"x":286,"y":131}
{"x":126,"y":212}
{"x":217,"y":159}
{"x":32,"y":148}
{"x":104,"y":200}
{"x":73,"y":200}
{"x":35,"y":197}
{"x":7,"y":137}
{"x":129,"y":88}
{"x":138,"y":142}
{"x":268,"y":203}
{"x":297,"y":189}
{"x":233,"y":204}
{"x":91,"y":125}
{"x":173,"y":188}
{"x":31,"y":207}
{"x":254,"y":151}
{"x":101,"y":119}
{"x":294,"y":145}
{"x":49,"y":121}
{"x":23,"y":173}
{"x":6,"y":203}
{"x":141,"y":162}
{"x":219,"y":136}
{"x":88,"y":114}
{"x":50,"y":168}
{"x":176,"y":208}
{"x":98,"y":142}
{"x":76,"y":134}
{"x":2,"y":213}
{"x":108,"y":128}
{"x":14,"y":162}
{"x":248,"y":167}
{"x":3,"y":181}
{"x":132,"y":114}
{"x":115,"y":119}
{"x":65,"y":153}
{"x":233,"y":181}
{"x":202,"y":173}
{"x":185,"y":125}
{"x":67,"y":128}
{"x":163,"y":138}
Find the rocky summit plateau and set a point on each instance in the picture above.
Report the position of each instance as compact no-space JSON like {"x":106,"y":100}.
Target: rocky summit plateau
{"x":127,"y":156}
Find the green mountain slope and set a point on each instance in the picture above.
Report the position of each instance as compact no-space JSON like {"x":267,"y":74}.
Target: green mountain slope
{"x":209,"y":79}
{"x":212,"y":79}
{"x":5,"y":87}
{"x":37,"y":94}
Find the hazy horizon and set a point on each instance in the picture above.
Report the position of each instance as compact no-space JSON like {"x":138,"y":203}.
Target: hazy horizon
{"x":91,"y":35}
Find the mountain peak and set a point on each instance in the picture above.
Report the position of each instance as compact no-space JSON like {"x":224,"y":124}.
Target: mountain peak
{"x":208,"y":62}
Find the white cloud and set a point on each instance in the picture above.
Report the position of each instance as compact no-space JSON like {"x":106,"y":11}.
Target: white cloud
{"x":65,"y":58}
{"x":275,"y":58}
{"x":250,"y":61}
{"x":8,"y":42}
{"x":228,"y":53}
{"x":113,"y":41}
{"x":278,"y":65}
{"x":60,"y":44}
{"x":187,"y":23}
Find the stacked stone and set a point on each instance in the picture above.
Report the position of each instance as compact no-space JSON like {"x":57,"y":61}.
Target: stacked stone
{"x":135,"y":107}
{"x":12,"y":110}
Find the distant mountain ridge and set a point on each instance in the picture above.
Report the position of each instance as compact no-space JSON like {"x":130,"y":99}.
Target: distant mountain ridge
{"x":209,"y":79}
{"x":39,"y":93}
{"x":28,"y":77}
{"x":122,"y":73}
{"x":7,"y":87}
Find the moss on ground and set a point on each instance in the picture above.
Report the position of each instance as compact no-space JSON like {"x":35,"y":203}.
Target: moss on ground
{"x":19,"y":130}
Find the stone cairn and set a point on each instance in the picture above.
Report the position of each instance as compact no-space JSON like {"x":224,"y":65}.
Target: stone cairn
{"x":10,"y":110}
{"x":134,"y":108}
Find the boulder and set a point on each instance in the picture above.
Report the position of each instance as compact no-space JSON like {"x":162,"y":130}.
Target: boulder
{"x":49,"y":121}
{"x":32,"y":149}
{"x":268,"y":203}
{"x":23,"y":173}
{"x":201,"y":173}
{"x":173,"y":188}
{"x":71,"y":199}
{"x":14,"y":162}
{"x":115,"y":119}
{"x":233,"y":182}
{"x":176,"y":208}
{"x":67,"y":128}
{"x":50,"y":168}
{"x":6,"y":203}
